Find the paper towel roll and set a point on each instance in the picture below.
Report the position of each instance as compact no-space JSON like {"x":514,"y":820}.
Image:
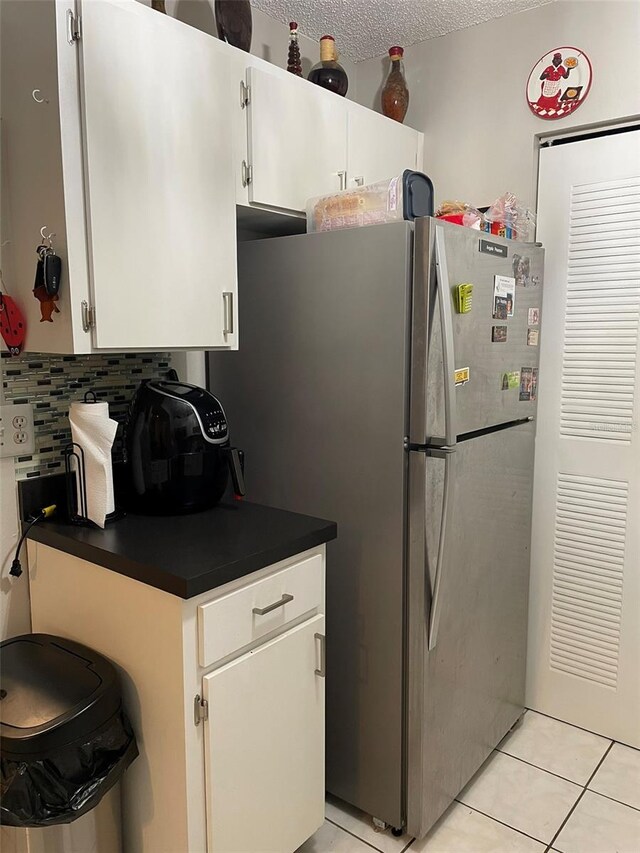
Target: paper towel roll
{"x":95,"y":431}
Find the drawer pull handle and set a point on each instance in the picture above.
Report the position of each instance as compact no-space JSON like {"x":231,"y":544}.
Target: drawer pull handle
{"x":262,"y":611}
{"x":227,"y":304}
{"x":322,"y":671}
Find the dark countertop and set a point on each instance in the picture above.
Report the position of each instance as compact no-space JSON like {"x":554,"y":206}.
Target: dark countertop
{"x":190,"y":554}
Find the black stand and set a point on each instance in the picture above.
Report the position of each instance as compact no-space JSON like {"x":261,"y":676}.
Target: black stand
{"x":77,"y":496}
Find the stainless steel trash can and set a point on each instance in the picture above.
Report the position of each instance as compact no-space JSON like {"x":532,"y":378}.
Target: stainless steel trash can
{"x":65,"y":743}
{"x":98,"y":831}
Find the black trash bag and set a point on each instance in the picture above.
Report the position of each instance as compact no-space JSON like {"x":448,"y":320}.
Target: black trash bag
{"x":64,"y":783}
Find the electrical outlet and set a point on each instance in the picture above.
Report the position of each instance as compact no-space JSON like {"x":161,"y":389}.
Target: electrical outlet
{"x":16,"y":430}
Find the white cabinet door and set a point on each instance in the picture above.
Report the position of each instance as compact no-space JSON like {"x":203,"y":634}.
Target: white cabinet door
{"x":584,"y":632}
{"x":297,"y":140}
{"x":159,"y":179}
{"x":378,"y":147}
{"x":264,"y":745}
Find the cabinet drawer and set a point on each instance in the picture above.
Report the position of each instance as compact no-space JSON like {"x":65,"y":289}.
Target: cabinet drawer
{"x":237,"y":619}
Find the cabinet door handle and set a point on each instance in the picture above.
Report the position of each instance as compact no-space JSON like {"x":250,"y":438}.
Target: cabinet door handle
{"x":261,"y":611}
{"x":359,"y":181}
{"x":227,"y":298}
{"x":342,"y":175}
{"x":322,"y":671}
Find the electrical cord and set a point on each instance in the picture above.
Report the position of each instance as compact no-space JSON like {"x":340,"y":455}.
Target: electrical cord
{"x":16,"y":566}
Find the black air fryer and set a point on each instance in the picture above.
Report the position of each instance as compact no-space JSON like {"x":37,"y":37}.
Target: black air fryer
{"x":178,"y":451}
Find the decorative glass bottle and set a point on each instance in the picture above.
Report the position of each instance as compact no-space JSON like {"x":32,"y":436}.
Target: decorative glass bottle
{"x":328,"y":73}
{"x":395,"y":95}
{"x":294,"y":63}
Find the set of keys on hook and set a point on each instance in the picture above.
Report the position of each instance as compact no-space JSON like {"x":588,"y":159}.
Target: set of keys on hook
{"x":49,"y":265}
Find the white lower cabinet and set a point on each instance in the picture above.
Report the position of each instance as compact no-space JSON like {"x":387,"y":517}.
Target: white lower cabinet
{"x":264,"y":745}
{"x":231,"y":752}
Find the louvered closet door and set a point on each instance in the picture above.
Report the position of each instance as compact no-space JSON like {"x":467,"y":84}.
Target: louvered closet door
{"x":584,"y":635}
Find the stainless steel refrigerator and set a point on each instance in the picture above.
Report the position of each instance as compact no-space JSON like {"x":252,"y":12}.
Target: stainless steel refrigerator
{"x":368,"y":390}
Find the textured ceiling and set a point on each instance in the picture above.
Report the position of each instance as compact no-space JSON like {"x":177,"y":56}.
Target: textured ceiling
{"x":367,"y":28}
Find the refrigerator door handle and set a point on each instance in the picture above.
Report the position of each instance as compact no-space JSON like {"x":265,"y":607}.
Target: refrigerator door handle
{"x":446,"y":320}
{"x":449,"y":456}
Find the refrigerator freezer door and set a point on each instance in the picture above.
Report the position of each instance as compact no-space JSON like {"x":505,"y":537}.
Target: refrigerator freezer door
{"x":496,"y":356}
{"x":466,"y":693}
{"x":317,"y":399}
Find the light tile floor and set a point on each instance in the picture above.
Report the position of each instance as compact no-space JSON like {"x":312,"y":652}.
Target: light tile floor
{"x":548,"y":788}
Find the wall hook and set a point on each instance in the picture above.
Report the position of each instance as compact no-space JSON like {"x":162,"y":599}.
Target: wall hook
{"x":48,"y":239}
{"x":36,"y":97}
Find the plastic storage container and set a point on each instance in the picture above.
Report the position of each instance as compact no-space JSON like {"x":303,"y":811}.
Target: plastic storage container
{"x":406,"y":196}
{"x":65,"y":743}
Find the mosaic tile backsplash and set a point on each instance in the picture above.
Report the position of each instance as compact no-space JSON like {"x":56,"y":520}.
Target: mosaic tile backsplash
{"x":52,"y":382}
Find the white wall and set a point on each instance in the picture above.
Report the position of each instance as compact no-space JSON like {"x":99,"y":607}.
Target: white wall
{"x":467,"y":91}
{"x":14,"y":593}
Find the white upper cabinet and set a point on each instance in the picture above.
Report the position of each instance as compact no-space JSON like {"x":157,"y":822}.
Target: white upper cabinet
{"x":304,"y":142}
{"x":126,"y":133}
{"x":379,"y":147}
{"x":124,"y":152}
{"x":297,"y":140}
{"x":160,"y":187}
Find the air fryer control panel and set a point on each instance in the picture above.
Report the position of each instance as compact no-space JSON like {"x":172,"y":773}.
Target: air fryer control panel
{"x":206,"y":407}
{"x":214,"y":421}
